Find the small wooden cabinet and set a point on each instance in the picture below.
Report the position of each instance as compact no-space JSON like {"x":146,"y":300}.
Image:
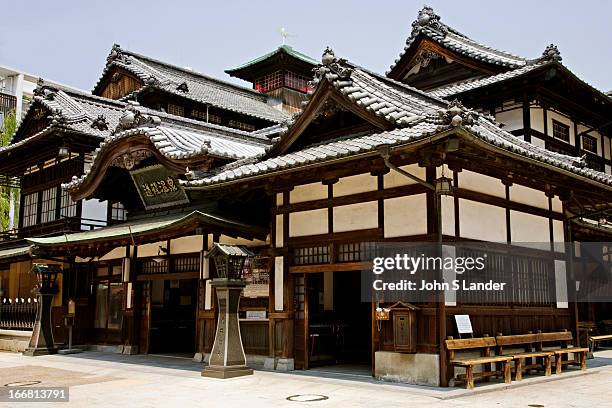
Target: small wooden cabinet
{"x":404,"y":330}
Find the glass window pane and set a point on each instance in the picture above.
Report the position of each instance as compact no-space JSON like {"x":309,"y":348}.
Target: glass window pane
{"x":101,"y":305}
{"x":115,"y":306}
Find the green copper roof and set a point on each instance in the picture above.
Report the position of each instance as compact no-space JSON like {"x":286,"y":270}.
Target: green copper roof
{"x":283,"y":48}
{"x":138,"y":228}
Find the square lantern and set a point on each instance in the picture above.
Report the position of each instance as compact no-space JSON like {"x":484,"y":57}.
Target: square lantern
{"x":46,"y":276}
{"x":444,"y":186}
{"x":229,"y":260}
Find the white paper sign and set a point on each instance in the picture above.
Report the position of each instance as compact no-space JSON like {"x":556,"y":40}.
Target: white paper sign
{"x":255,"y":314}
{"x":464,"y":325}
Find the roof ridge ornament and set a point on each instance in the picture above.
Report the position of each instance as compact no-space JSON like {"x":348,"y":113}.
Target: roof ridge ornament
{"x":38,"y":91}
{"x":183,"y":87}
{"x":331,"y":68}
{"x":551,"y":53}
{"x":116,"y":54}
{"x":100,"y":123}
{"x":456,"y":115}
{"x":428,"y":18}
{"x":132,"y":118}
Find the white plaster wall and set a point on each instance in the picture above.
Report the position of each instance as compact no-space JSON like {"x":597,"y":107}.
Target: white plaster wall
{"x":307,"y":192}
{"x":606,"y":147}
{"x":279,"y":199}
{"x":93,"y":209}
{"x":481,"y":183}
{"x":311,"y":222}
{"x":405,"y":216}
{"x":537,"y":119}
{"x":116,"y":253}
{"x":152,"y":249}
{"x":482,"y":221}
{"x":448,"y":215}
{"x":356,"y":216}
{"x":188,"y":244}
{"x":561,"y":284}
{"x":278,"y":283}
{"x":359,"y":183}
{"x":279,"y":241}
{"x":557,"y":205}
{"x":512,"y":119}
{"x":224,"y":239}
{"x":528,"y":227}
{"x":395,"y":179}
{"x":558,"y":231}
{"x":526,"y":195}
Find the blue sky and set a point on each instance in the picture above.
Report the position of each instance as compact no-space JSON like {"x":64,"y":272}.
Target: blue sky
{"x":68,"y":41}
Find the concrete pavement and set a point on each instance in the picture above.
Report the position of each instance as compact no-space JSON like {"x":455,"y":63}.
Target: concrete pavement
{"x":103,"y":380}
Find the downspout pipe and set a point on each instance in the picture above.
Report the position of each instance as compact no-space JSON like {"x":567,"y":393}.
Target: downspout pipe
{"x":385,"y":153}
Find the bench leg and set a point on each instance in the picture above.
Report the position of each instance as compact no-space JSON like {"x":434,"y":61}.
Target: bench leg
{"x":507,"y":372}
{"x":469,"y":377}
{"x":583,"y":359}
{"x":558,"y":363}
{"x":547,"y":365}
{"x":487,"y":367}
{"x":518,"y":367}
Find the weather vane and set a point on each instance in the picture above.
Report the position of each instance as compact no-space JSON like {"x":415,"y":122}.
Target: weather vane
{"x":285,"y":35}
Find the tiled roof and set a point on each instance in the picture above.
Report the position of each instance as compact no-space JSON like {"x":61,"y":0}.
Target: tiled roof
{"x":464,"y":86}
{"x":393,"y":101}
{"x":416,"y":115}
{"x":177,"y":139}
{"x":429,"y":25}
{"x":282,"y":49}
{"x":192,"y":85}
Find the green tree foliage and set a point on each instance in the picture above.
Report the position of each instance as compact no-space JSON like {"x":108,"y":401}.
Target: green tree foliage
{"x":6,"y":133}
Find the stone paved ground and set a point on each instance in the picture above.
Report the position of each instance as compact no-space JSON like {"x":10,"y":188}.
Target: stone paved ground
{"x":107,"y":380}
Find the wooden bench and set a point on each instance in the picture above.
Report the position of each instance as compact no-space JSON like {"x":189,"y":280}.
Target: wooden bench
{"x":528,"y":343}
{"x":593,"y":340}
{"x":484,"y":345}
{"x":566,"y":339}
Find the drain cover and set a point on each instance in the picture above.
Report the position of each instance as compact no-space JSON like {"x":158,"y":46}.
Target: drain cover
{"x":22,"y":383}
{"x":307,"y":398}
{"x":536,"y":405}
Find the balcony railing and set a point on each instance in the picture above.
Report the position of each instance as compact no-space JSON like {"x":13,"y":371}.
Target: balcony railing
{"x":63,"y":225}
{"x":8,"y":103}
{"x":18,"y":314}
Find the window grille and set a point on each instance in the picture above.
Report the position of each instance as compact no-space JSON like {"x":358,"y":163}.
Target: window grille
{"x":49,"y":204}
{"x":356,"y":251}
{"x":176,"y":110}
{"x":118,"y":212}
{"x":241,"y":125}
{"x":589,"y":143}
{"x":155,"y":265}
{"x":187,"y":264}
{"x":561,"y":131}
{"x":67,"y":206}
{"x":311,"y":255}
{"x":30,"y":209}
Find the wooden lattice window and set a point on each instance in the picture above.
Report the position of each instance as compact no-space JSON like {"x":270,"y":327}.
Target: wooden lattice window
{"x":241,"y":125}
{"x":155,"y":265}
{"x":118,"y":212}
{"x":311,"y":255}
{"x":30,"y":209}
{"x":176,"y":110}
{"x":589,"y":143}
{"x":67,"y":206}
{"x":49,"y":205}
{"x":561,"y":131}
{"x":356,"y":251}
{"x":187,"y":264}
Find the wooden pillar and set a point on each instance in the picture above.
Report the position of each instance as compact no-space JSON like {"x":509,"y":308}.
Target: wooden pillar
{"x":526,"y":119}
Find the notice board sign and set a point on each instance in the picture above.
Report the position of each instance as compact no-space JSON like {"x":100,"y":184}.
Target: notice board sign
{"x":158,"y":187}
{"x":464,"y":325}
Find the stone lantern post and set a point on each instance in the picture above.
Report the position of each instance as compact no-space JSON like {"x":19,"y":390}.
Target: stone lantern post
{"x":227,"y":358}
{"x":42,"y":342}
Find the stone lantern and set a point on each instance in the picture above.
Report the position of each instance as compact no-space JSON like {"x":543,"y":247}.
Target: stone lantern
{"x":42,"y":342}
{"x":227,"y":358}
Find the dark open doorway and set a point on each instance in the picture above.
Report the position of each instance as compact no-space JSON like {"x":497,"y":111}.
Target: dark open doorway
{"x":173,"y":310}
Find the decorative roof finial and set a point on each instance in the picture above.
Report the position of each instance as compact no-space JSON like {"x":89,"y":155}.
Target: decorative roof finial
{"x":456,"y":114}
{"x":428,"y":18}
{"x":132,"y":118}
{"x":38,"y":91}
{"x":115,"y":54}
{"x":551,"y":53}
{"x":328,"y":56}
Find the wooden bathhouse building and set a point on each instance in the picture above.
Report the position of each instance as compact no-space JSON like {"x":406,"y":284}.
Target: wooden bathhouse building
{"x":176,"y":161}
